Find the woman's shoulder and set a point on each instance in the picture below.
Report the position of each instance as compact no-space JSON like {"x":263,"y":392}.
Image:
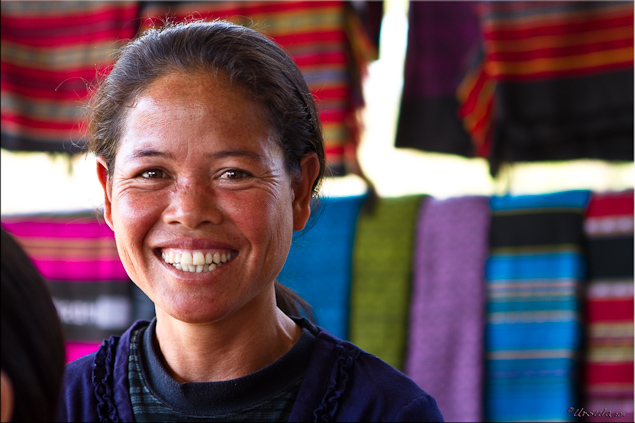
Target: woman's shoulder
{"x":369,"y":369}
{"x":359,"y":386}
{"x":89,"y":381}
{"x":107,"y":351}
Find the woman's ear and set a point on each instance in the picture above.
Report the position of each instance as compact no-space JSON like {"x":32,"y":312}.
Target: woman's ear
{"x":102,"y":175}
{"x":302,"y":186}
{"x":6,"y":391}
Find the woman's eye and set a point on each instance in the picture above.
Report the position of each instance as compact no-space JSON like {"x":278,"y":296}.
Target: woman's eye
{"x":234,"y":174}
{"x":152,"y":174}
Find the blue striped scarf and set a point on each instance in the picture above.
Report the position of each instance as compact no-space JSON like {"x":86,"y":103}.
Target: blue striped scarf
{"x":533,"y":274}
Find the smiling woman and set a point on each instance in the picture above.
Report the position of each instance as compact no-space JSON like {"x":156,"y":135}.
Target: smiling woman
{"x":210,"y":155}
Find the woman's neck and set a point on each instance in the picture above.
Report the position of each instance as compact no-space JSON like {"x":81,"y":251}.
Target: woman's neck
{"x":220,"y":351}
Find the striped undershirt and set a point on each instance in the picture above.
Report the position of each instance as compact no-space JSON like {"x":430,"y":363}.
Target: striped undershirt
{"x":267,"y":395}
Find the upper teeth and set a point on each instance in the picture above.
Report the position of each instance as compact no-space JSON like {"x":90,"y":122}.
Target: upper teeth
{"x":195,"y":261}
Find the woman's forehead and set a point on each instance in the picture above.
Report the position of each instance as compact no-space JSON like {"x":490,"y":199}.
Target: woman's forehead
{"x":181,"y":86}
{"x":184,"y":96}
{"x":194,"y":110}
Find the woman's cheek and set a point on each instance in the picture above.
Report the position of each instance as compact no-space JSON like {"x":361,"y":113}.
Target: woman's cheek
{"x":134,"y":206}
{"x":134,"y":214}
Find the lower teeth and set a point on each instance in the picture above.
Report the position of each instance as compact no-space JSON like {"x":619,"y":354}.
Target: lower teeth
{"x":196,"y":269}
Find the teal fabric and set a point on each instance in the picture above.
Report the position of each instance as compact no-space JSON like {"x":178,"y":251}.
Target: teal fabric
{"x":319,"y":264}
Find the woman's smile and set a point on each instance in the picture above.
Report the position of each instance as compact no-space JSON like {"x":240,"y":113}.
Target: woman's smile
{"x":199,"y":261}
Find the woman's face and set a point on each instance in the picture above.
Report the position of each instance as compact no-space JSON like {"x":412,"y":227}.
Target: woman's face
{"x":200,"y":184}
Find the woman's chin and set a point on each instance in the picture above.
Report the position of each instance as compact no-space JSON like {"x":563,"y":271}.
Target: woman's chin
{"x":191,"y":308}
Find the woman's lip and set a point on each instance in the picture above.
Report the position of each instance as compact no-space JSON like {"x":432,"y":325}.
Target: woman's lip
{"x":195,"y":244}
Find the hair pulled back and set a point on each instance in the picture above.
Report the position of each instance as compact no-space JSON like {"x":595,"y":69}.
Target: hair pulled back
{"x":250,"y":60}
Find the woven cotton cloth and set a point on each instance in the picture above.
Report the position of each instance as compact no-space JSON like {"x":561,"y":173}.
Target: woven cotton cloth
{"x":77,"y":255}
{"x":51,"y":52}
{"x":441,"y":35}
{"x":326,"y":39}
{"x":608,"y":363}
{"x":319,"y":264}
{"x":447,"y":320}
{"x":554,"y":81}
{"x":382,"y":278}
{"x":534,"y":274}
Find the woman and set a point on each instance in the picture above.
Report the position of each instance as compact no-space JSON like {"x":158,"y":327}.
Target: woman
{"x":32,"y":340}
{"x":210,"y":152}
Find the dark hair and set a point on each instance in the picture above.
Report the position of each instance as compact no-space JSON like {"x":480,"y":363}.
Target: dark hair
{"x":249,"y":58}
{"x":33,"y":354}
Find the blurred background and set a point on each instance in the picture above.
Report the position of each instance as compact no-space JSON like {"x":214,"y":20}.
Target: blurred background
{"x":477,"y":229}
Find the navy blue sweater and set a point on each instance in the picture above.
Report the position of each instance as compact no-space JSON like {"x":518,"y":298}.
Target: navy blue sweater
{"x":342,"y":383}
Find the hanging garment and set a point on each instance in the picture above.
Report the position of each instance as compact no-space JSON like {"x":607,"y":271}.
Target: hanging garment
{"x":51,"y":53}
{"x":77,"y":255}
{"x":447,"y":318}
{"x":327,"y":41}
{"x":608,"y":366}
{"x":534,"y":274}
{"x":319,"y":264}
{"x":441,"y":37}
{"x":555,"y":82}
{"x":382,"y":278}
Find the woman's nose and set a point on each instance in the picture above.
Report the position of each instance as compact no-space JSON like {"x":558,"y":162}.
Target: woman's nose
{"x":192,"y":205}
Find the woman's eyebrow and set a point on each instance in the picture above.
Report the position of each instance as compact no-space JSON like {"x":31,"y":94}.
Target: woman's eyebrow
{"x":150,"y":152}
{"x":237,"y":152}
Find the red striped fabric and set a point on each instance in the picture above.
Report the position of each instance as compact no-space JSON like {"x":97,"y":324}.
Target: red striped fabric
{"x":608,"y":374}
{"x":526,"y":41}
{"x":611,"y":310}
{"x":51,"y":51}
{"x":608,"y":364}
{"x":611,"y":205}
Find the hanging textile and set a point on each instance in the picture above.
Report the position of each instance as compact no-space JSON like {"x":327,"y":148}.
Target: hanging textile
{"x":51,"y":52}
{"x":555,"y":82}
{"x":534,"y":274}
{"x":77,"y":255}
{"x":441,"y":37}
{"x":327,"y":41}
{"x":382,"y":278}
{"x":447,"y":319}
{"x":319,"y":264}
{"x":609,"y":306}
{"x":371,"y":13}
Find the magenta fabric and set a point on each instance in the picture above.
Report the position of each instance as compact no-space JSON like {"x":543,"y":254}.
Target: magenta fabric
{"x":75,"y":350}
{"x":76,"y":253}
{"x":445,"y":351}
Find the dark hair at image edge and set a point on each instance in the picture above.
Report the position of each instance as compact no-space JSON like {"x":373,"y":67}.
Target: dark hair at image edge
{"x":252,"y":62}
{"x":33,"y":355}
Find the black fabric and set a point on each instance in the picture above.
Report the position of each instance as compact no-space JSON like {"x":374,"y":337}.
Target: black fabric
{"x":25,"y":143}
{"x":557,"y":228}
{"x":582,"y":117}
{"x":213,"y":398}
{"x":610,"y":258}
{"x":93,"y":310}
{"x":563,"y":100}
{"x":433,"y":124}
